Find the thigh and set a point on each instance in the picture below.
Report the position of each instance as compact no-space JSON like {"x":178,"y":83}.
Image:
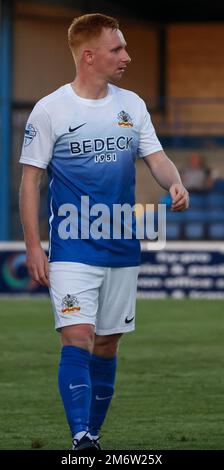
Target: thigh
{"x":74,"y":291}
{"x":117,"y":299}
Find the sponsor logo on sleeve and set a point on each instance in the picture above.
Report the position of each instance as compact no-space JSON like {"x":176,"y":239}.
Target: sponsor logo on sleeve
{"x":30,"y":133}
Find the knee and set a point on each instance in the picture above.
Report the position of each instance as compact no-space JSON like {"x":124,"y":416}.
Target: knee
{"x":81,"y":336}
{"x":106,"y":346}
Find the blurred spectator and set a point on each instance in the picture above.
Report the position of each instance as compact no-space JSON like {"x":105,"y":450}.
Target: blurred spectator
{"x":197,"y":176}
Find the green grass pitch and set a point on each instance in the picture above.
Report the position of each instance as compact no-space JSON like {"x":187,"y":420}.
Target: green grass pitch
{"x":170,"y":382}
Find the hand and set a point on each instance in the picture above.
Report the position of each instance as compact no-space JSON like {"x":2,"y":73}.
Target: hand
{"x":37,"y":264}
{"x":179,"y":196}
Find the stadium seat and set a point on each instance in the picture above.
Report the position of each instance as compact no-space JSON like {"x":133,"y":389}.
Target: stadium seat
{"x":215,"y":215}
{"x":196,"y":215}
{"x":195,"y":231}
{"x":215,"y":224}
{"x":216,"y":231}
{"x":215,"y":200}
{"x":195,"y":226}
{"x":197,"y":200}
{"x":174,"y":225}
{"x":173,"y":231}
{"x":175,"y":216}
{"x":219,"y":185}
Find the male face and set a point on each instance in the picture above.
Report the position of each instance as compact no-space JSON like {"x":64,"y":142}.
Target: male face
{"x":110,"y":57}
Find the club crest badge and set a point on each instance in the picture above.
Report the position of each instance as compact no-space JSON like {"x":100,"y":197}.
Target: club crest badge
{"x":124,"y":119}
{"x":70,"y":304}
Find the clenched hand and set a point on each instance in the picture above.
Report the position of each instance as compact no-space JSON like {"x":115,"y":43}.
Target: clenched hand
{"x":179,"y":196}
{"x":37,"y":264}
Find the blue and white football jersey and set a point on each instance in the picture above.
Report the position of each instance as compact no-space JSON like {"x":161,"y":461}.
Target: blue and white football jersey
{"x":89,"y":148}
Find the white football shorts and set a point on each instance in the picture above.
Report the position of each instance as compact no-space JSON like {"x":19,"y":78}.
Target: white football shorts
{"x":104,"y":297}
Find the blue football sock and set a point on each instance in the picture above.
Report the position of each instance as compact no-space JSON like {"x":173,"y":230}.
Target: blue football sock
{"x":75,"y":387}
{"x":102,"y":373}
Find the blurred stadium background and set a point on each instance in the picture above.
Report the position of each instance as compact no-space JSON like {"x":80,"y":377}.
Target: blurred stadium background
{"x":178,"y":69}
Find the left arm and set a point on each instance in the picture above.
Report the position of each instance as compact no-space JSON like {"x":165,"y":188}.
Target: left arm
{"x":167,"y":176}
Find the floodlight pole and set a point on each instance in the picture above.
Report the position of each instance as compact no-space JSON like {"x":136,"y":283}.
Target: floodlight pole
{"x":5,"y":114}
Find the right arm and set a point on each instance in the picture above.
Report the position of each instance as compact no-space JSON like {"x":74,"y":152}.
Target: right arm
{"x":37,"y":262}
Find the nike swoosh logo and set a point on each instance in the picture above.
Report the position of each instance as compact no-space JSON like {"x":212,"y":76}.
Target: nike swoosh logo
{"x":75,"y":128}
{"x":128,"y":320}
{"x":103,"y":398}
{"x":77,"y":386}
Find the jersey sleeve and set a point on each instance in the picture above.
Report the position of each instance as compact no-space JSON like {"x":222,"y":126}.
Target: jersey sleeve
{"x":38,"y":140}
{"x":148,"y":140}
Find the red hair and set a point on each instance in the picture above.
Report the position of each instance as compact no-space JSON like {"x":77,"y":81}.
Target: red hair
{"x":87,"y":27}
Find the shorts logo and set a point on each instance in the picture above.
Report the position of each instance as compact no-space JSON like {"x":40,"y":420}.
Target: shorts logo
{"x":70,"y":304}
{"x":124,"y":120}
{"x":30,"y":133}
{"x":129,"y":320}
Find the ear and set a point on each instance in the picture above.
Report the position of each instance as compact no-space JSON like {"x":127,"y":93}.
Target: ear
{"x":88,"y":55}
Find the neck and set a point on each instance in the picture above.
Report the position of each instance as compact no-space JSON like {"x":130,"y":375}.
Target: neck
{"x":90,"y":89}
